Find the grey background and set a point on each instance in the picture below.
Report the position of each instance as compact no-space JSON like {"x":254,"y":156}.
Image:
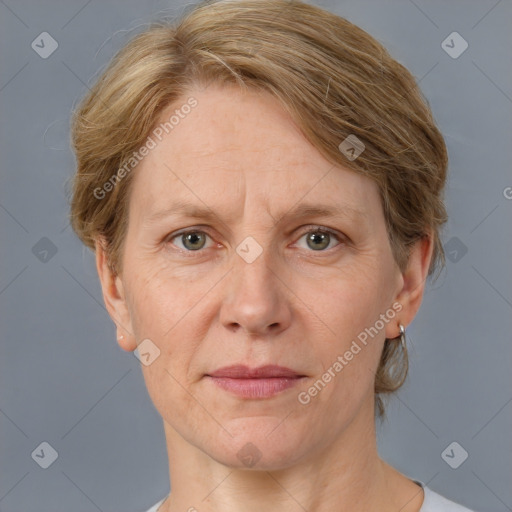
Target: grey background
{"x":64,"y":380}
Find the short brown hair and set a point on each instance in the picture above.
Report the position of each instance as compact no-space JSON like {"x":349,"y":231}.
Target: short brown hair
{"x":331,"y":76}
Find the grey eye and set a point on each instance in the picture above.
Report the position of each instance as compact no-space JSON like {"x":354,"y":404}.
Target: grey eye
{"x":318,"y":240}
{"x":192,"y":240}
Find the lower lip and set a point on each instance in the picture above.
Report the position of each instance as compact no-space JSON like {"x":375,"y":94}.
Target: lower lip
{"x":256,"y":388}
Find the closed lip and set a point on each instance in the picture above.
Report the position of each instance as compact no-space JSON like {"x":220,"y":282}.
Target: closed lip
{"x":239,"y":371}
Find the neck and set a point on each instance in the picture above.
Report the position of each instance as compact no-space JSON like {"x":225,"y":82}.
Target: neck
{"x":347,"y":476}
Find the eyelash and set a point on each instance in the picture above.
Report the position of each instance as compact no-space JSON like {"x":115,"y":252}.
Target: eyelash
{"x":308,"y":229}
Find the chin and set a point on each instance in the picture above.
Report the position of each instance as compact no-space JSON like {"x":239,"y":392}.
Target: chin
{"x":258,"y":444}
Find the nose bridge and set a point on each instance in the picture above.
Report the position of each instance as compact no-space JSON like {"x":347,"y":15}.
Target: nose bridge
{"x":254,"y":299}
{"x":252,"y":262}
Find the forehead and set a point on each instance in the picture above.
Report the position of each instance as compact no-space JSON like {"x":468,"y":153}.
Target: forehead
{"x":240,"y":147}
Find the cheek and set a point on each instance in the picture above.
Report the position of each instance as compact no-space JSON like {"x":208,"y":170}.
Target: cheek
{"x":163,"y":309}
{"x":345,"y":312}
{"x":347,"y":355}
{"x":349,"y":300}
{"x":160,"y":302}
{"x":167,"y":309}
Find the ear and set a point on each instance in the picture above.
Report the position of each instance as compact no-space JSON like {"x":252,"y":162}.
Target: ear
{"x":412,"y":283}
{"x":114,"y":297}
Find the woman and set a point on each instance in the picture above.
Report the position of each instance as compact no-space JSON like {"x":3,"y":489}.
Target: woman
{"x":262,"y":185}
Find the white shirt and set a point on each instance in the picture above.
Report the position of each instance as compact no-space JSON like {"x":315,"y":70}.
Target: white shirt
{"x":432,"y":502}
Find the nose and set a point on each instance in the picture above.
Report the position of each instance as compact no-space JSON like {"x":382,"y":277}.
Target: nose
{"x":256,"y":298}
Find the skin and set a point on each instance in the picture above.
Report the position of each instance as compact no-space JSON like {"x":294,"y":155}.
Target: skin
{"x":296,"y":305}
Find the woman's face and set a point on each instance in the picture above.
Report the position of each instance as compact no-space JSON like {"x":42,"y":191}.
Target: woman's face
{"x":256,"y":283}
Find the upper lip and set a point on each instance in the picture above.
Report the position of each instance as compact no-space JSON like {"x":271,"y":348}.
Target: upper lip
{"x":244,"y":372}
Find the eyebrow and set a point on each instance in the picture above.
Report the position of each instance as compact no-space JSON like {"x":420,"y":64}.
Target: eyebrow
{"x":185,"y":209}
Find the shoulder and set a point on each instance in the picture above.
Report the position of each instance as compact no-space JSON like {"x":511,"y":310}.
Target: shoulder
{"x":154,"y":508}
{"x":434,"y":502}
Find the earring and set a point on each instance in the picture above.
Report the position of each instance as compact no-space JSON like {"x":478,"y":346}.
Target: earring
{"x":402,"y":335}
{"x":120,"y":337}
